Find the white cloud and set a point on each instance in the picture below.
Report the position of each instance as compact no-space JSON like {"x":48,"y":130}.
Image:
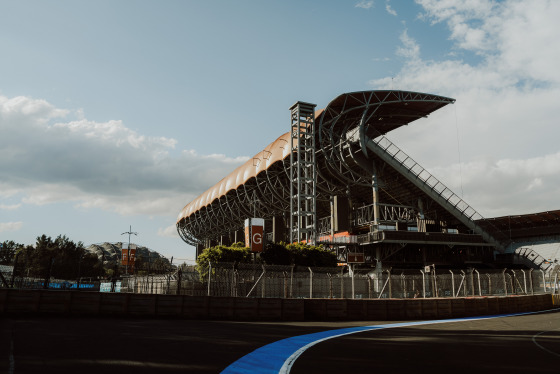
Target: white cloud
{"x":169,"y":231}
{"x":410,"y":49}
{"x":101,"y":165}
{"x":364,"y":4}
{"x":390,"y":10}
{"x":503,"y":126}
{"x":10,"y":226}
{"x":10,"y":207}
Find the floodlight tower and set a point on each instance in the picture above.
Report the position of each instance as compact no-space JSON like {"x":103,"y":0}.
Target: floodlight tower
{"x":129,"y":232}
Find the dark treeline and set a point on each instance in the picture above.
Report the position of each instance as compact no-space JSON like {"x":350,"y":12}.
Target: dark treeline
{"x":59,"y":258}
{"x":62,"y":258}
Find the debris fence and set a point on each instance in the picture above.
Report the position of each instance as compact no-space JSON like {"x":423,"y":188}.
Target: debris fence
{"x":271,"y":281}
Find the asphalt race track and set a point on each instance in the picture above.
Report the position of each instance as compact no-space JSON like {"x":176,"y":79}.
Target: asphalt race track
{"x":518,"y":344}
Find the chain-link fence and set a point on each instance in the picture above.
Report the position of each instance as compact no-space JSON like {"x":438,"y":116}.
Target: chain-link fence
{"x":253,"y":280}
{"x":267,"y":281}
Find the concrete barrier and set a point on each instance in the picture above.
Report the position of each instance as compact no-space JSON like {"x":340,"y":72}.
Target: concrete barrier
{"x":430,"y":309}
{"x":293,"y":310}
{"x":356,"y":310}
{"x":3,"y":299}
{"x":113,"y":304}
{"x":85,"y":303}
{"x":55,"y":302}
{"x":23,"y":302}
{"x":412,"y":308}
{"x":270,"y":309}
{"x":396,"y":310}
{"x":195,"y":307}
{"x":493,"y":305}
{"x":246,"y":309}
{"x":78,"y":303}
{"x":458,"y":308}
{"x":376,"y":310}
{"x":444,"y":309}
{"x":142,"y":305}
{"x":336,"y":309}
{"x":315,"y":309}
{"x":221,"y":308}
{"x":168,"y":305}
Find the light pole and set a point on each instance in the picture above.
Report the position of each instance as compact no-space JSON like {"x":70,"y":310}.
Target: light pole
{"x":129,"y":232}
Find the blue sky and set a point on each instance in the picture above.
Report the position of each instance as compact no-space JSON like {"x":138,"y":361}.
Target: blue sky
{"x":118,"y":113}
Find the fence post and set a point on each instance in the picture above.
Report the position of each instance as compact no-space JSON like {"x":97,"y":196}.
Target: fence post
{"x":403,"y":285}
{"x":436,"y":293}
{"x":423,"y":283}
{"x":472,"y":281}
{"x":531,"y":281}
{"x":342,"y":282}
{"x":179,"y":279}
{"x":310,"y":283}
{"x":330,"y":285}
{"x":209,"y":276}
{"x":292,"y":282}
{"x":390,"y":286}
{"x":369,"y":286}
{"x":543,"y":280}
{"x":524,"y":281}
{"x":489,"y":284}
{"x":452,"y":283}
{"x":479,"y":287}
{"x":351,"y":267}
{"x":263,"y":287}
{"x":505,"y":284}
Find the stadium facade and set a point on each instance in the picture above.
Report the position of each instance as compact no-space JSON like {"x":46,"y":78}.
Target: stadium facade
{"x":336,"y":179}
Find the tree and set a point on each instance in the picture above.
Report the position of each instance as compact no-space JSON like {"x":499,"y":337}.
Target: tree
{"x":59,"y":258}
{"x":8,"y":251}
{"x":311,"y":255}
{"x":298,"y":254}
{"x":234,"y":253}
{"x":277,"y":254}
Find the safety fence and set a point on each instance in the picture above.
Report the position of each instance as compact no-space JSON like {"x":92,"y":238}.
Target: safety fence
{"x":247,"y":280}
{"x":295,"y":282}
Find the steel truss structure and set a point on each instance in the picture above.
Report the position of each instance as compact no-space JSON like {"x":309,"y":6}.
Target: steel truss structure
{"x":303,"y":177}
{"x":379,"y":186}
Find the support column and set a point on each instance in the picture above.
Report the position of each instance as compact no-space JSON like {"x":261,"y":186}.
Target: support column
{"x":303,"y":175}
{"x":375,"y":198}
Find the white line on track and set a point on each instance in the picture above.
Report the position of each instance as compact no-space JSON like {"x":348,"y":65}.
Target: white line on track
{"x":540,"y":346}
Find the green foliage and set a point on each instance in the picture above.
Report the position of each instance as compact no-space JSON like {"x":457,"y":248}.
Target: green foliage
{"x":59,"y":258}
{"x":8,"y":252}
{"x":277,"y":254}
{"x":311,"y":255}
{"x":220,"y":253}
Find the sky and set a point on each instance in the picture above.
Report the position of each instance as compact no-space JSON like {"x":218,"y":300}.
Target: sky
{"x":116,"y":114}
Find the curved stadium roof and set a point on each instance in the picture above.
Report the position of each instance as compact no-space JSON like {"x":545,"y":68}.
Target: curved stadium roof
{"x":376,"y":111}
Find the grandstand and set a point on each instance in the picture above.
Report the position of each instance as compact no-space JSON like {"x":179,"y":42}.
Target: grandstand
{"x":336,"y":179}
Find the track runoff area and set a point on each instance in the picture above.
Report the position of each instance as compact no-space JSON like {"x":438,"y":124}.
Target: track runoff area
{"x":511,"y":344}
{"x":522,"y":343}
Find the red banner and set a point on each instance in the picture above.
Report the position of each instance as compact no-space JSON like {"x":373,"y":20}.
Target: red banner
{"x":254,"y":234}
